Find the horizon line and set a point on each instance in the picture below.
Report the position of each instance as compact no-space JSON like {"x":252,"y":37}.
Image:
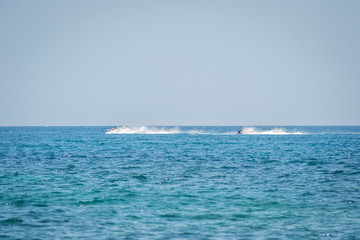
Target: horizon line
{"x":266,"y":125}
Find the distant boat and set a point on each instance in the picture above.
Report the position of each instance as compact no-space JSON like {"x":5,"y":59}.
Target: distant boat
{"x":110,"y":130}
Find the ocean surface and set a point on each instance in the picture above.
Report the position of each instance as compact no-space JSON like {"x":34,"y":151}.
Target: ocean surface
{"x":180,"y":183}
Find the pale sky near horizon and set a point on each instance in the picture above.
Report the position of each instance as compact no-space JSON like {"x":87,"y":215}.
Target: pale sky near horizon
{"x":179,"y":62}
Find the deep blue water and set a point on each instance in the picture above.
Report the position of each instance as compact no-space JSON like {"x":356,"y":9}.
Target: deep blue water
{"x":201,"y":183}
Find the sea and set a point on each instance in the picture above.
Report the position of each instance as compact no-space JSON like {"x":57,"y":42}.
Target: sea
{"x":194,"y":182}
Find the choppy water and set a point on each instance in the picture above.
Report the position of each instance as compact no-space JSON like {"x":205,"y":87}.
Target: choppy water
{"x":180,"y":183}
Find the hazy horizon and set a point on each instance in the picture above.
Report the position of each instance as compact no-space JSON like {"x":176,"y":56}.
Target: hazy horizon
{"x":179,"y":63}
{"x":140,"y":125}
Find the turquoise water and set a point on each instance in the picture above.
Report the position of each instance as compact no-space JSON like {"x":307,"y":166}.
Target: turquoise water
{"x":196,"y":183}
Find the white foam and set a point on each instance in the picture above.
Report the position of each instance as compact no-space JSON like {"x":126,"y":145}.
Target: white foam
{"x":274,"y":131}
{"x":148,"y":130}
{"x":176,"y":130}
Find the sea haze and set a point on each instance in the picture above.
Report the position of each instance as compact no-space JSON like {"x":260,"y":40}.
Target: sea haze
{"x":180,"y":182}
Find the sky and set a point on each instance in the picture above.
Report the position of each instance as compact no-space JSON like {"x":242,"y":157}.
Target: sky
{"x":178,"y":62}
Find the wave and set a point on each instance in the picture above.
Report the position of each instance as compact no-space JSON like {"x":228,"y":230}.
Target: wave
{"x":274,"y":131}
{"x":149,"y":130}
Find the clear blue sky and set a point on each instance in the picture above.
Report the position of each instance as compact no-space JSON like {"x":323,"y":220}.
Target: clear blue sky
{"x":182,"y":62}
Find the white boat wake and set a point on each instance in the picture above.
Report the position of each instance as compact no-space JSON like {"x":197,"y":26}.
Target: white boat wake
{"x":148,"y":130}
{"x":274,"y":131}
{"x":177,"y":130}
